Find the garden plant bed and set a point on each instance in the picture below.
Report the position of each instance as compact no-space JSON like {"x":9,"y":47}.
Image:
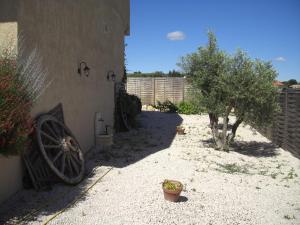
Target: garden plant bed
{"x":255,"y":183}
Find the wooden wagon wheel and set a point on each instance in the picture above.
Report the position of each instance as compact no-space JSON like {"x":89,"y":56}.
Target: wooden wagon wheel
{"x":60,"y":149}
{"x":123,"y":112}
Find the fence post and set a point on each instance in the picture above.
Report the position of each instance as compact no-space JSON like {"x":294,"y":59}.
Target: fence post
{"x":173,"y":91}
{"x":153,"y":88}
{"x":183,"y":89}
{"x":164,"y":89}
{"x":285,"y":117}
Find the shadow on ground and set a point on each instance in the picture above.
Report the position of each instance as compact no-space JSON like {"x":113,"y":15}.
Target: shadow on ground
{"x":26,"y":205}
{"x":182,"y":199}
{"x":254,"y":148}
{"x":249,"y":148}
{"x":156,"y":132}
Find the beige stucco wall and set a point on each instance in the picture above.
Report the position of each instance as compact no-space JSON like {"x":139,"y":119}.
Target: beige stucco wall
{"x":10,"y":176}
{"x":66,"y":33}
{"x":8,"y":36}
{"x":9,"y":10}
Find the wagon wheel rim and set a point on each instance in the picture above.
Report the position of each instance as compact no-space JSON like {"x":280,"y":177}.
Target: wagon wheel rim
{"x":60,"y":149}
{"x":124,"y":115}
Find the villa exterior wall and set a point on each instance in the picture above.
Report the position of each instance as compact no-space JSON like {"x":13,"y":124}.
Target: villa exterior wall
{"x":66,"y":33}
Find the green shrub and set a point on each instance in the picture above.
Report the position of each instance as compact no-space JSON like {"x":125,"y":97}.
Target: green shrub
{"x":172,"y":185}
{"x":135,"y":105}
{"x":15,"y":106}
{"x":166,"y":106}
{"x":188,"y":108}
{"x":20,"y":85}
{"x":131,"y":106}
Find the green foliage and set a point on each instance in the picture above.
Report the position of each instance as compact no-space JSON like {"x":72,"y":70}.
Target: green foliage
{"x":132,"y":106}
{"x":234,"y":168}
{"x":174,"y":73}
{"x":172,"y":186}
{"x":20,"y":85}
{"x":125,"y":74}
{"x":289,"y":217}
{"x":223,"y":83}
{"x":15,"y":105}
{"x":171,"y":73}
{"x":250,"y":90}
{"x":204,"y":69}
{"x":135,"y":105}
{"x":290,"y":82}
{"x":166,"y":106}
{"x":291,"y":174}
{"x":188,"y":107}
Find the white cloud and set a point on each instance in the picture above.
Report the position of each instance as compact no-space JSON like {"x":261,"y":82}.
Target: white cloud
{"x":176,"y":36}
{"x":280,"y":59}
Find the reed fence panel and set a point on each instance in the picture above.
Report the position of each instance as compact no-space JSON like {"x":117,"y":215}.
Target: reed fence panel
{"x":285,"y":130}
{"x":154,"y":89}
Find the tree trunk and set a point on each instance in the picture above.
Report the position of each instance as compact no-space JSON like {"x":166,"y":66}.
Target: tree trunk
{"x":213,"y":119}
{"x":234,"y":128}
{"x":224,"y":141}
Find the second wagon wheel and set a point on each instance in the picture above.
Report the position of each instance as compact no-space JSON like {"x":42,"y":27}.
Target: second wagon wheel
{"x":124,"y":111}
{"x":60,"y":149}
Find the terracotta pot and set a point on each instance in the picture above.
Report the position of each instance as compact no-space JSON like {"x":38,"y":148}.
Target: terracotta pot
{"x":172,"y":195}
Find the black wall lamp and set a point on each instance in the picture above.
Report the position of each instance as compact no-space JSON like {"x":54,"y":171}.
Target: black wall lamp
{"x":111,"y":75}
{"x":83,"y":68}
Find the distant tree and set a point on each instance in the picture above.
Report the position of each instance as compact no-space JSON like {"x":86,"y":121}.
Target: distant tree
{"x":124,"y":78}
{"x":225,"y":84}
{"x":158,"y":74}
{"x":174,"y":73}
{"x":291,"y":82}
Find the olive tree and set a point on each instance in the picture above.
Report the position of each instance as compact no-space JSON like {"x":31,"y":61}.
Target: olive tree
{"x":225,"y":84}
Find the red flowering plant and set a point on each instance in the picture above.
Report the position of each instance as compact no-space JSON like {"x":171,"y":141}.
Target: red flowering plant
{"x":20,"y":85}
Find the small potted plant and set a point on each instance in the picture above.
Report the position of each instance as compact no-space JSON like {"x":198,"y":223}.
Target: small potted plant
{"x":180,"y":130}
{"x":172,"y":190}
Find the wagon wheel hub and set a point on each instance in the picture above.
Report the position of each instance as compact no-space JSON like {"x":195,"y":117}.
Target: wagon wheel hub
{"x":66,"y":144}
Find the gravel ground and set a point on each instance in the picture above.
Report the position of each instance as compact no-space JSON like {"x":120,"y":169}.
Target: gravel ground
{"x":255,"y":183}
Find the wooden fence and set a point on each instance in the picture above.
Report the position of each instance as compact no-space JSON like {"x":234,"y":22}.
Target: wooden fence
{"x":285,"y":130}
{"x":153,"y":89}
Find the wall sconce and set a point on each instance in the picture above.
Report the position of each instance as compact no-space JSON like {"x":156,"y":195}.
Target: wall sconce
{"x":83,"y":67}
{"x":111,"y":75}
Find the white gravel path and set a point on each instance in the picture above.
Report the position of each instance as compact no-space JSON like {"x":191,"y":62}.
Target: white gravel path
{"x":254,"y":184}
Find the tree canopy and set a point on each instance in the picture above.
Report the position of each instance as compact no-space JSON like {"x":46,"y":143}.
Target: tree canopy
{"x":290,"y":82}
{"x":171,"y":73}
{"x":226,"y":83}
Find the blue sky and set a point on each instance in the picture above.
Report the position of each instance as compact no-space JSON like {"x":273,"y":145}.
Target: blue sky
{"x":265,"y":29}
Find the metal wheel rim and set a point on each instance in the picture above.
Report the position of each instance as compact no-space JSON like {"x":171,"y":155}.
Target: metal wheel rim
{"x":124,"y":115}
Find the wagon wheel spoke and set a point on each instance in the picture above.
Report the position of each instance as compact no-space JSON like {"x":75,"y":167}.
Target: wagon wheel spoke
{"x":74,"y":149}
{"x":58,"y":129}
{"x":75,"y":159}
{"x":52,"y":146}
{"x":69,"y":165}
{"x":75,"y":165}
{"x":57,"y":156}
{"x":49,"y":128}
{"x":63,"y":132}
{"x":63,"y":163}
{"x":49,"y":137}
